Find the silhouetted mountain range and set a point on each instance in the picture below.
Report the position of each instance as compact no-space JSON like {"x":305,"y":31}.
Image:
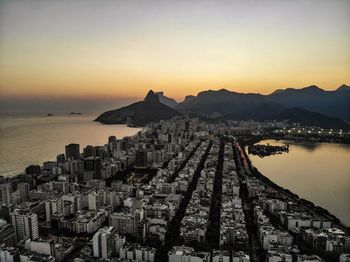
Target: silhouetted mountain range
{"x":310,"y":106}
{"x":332,"y":103}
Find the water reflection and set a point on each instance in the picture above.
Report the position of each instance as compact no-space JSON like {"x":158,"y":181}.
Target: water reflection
{"x":319,"y":172}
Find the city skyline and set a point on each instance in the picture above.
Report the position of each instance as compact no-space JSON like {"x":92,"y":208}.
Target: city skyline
{"x":84,"y":50}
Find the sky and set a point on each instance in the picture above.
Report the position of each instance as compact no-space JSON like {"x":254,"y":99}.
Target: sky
{"x":106,"y":53}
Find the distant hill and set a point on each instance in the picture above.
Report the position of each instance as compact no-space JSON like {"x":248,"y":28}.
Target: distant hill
{"x":139,"y":113}
{"x":343,"y":88}
{"x":332,"y":103}
{"x":220,"y":102}
{"x":170,"y":102}
{"x":277,"y":112}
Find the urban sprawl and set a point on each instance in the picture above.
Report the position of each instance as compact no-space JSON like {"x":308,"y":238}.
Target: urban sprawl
{"x":181,"y":190}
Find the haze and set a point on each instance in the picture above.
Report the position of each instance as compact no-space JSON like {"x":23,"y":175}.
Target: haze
{"x":96,"y":54}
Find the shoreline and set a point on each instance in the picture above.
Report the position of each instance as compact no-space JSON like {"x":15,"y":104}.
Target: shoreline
{"x":15,"y":164}
{"x":320,"y":210}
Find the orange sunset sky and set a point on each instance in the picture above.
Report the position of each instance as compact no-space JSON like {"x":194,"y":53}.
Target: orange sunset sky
{"x":122,"y":49}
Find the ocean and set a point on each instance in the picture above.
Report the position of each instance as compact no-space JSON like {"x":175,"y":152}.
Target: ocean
{"x":26,"y":140}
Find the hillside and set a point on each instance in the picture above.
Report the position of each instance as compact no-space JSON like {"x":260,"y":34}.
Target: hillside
{"x":139,"y":113}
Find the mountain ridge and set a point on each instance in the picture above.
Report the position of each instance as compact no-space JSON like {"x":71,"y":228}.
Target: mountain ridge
{"x":312,"y":98}
{"x":171,"y":102}
{"x":310,"y":105}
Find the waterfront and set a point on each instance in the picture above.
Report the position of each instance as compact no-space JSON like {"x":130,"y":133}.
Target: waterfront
{"x":35,"y":139}
{"x":318,"y":172}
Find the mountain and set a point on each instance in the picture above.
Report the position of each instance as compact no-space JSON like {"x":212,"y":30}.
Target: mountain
{"x":308,"y":118}
{"x":332,"y":103}
{"x":312,"y":98}
{"x":220,"y":102}
{"x":343,"y":88}
{"x":274,"y":111}
{"x":188,"y":99}
{"x":170,"y":102}
{"x":139,"y":113}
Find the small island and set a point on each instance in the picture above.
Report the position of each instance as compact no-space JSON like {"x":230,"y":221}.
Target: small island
{"x":267,"y":150}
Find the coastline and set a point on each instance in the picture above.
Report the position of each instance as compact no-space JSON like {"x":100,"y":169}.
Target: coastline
{"x":319,"y":209}
{"x":34,"y":139}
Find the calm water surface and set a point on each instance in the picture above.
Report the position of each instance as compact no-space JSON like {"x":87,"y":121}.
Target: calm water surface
{"x":33,"y":140}
{"x":319,"y":172}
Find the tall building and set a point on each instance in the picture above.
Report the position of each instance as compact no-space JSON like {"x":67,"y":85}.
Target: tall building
{"x":94,"y":201}
{"x":104,"y":242}
{"x":5,"y":194}
{"x":60,"y":159}
{"x":93,"y":164}
{"x":89,"y":151}
{"x":25,"y":224}
{"x":112,"y":142}
{"x":141,"y":158}
{"x":33,"y":170}
{"x":53,"y":207}
{"x":119,"y":243}
{"x":73,"y":151}
{"x":23,"y":189}
{"x":123,"y":222}
{"x":7,"y":234}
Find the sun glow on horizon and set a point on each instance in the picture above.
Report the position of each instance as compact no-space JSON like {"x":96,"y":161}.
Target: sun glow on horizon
{"x":123,"y":49}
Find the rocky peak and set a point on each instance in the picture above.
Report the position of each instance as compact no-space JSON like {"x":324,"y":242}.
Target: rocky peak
{"x":151,"y":97}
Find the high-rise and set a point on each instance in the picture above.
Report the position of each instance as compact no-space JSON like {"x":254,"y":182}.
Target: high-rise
{"x":141,"y":158}
{"x":23,"y":189}
{"x":25,"y":224}
{"x":93,"y":165}
{"x":5,"y":194}
{"x":89,"y":151}
{"x":104,"y":242}
{"x":73,"y":151}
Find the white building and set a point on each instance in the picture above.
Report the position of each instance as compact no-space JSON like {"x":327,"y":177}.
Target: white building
{"x":9,"y":254}
{"x":94,"y":202}
{"x":25,"y":224}
{"x":273,"y":256}
{"x":344,"y":258}
{"x":104,"y":242}
{"x":41,"y":246}
{"x":186,"y":254}
{"x":135,"y":252}
{"x":53,"y":207}
{"x":119,"y":243}
{"x":221,"y":256}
